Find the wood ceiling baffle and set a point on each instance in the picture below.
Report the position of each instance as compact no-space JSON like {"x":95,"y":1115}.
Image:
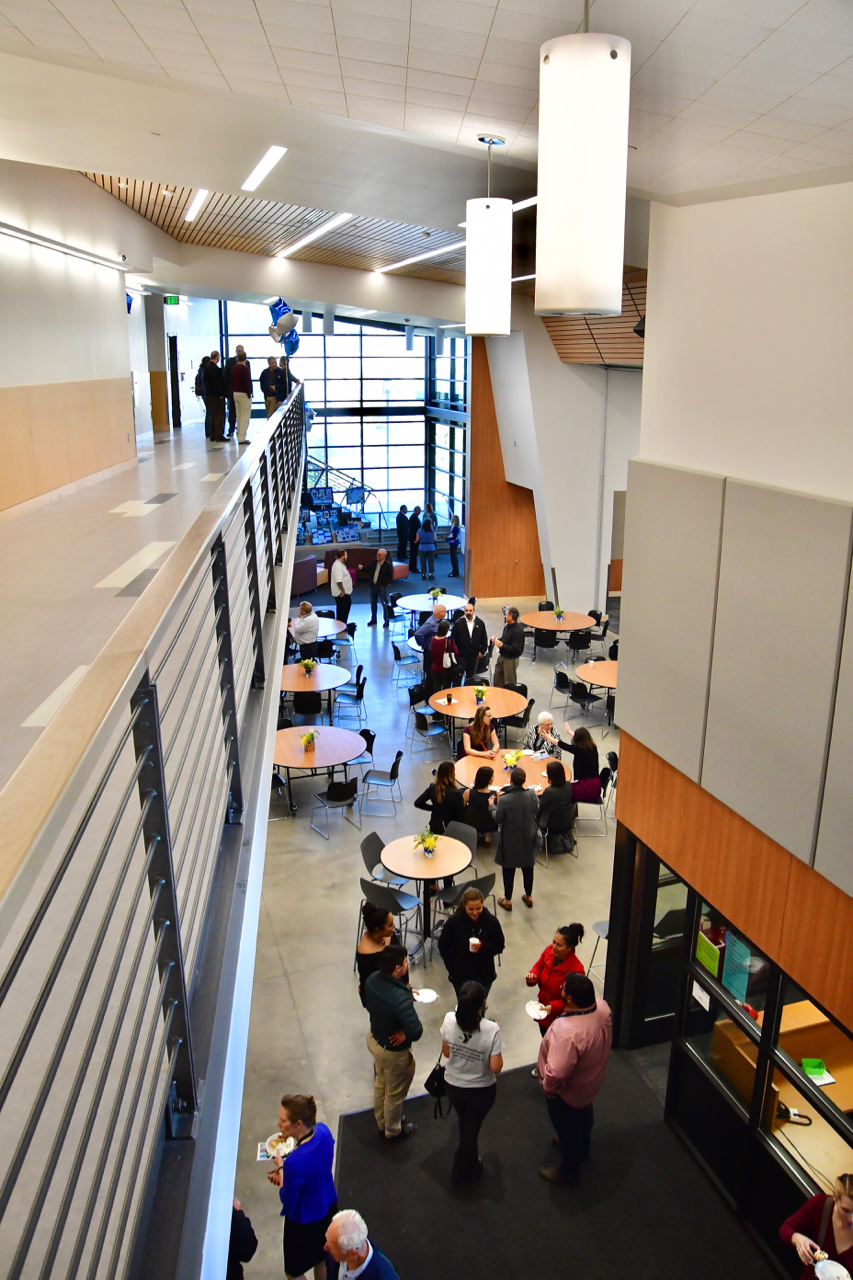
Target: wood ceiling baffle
{"x":604,"y":340}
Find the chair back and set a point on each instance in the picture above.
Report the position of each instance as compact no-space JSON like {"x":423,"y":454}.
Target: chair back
{"x":351,"y":629}
{"x":324,"y":613}
{"x":518,"y":688}
{"x":525,"y":718}
{"x":283,"y":722}
{"x":604,"y":627}
{"x":308,"y":703}
{"x":394,"y":771}
{"x":561,"y":819}
{"x":380,"y":895}
{"x":342,"y":792}
{"x":605,"y":775}
{"x":398,"y":657}
{"x":369,"y":739}
{"x":544,"y":639}
{"x":360,"y":687}
{"x":613,"y":761}
{"x":461,"y":831}
{"x":371,"y":851}
{"x":613,"y":651}
{"x":578,"y":640}
{"x":358,"y":672}
{"x":595,"y":613}
{"x":417,"y":695}
{"x":561,"y":681}
{"x":421,"y":722}
{"x":578,"y":692}
{"x":545,"y":606}
{"x":485,"y":884}
{"x":394,"y":597}
{"x":325,"y":649}
{"x":456,"y":615}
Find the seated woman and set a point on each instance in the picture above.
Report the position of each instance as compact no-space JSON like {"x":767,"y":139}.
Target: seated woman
{"x":478,"y":737}
{"x":443,"y":677}
{"x":556,"y":798}
{"x":480,"y":808}
{"x":378,"y":933}
{"x":541,"y":737}
{"x":443,"y":799}
{"x":586,"y":783}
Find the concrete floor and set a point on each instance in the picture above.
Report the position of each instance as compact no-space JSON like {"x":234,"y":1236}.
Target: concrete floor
{"x":308,"y":1028}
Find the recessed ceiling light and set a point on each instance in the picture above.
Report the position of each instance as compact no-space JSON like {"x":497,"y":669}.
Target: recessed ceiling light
{"x":338,"y":221}
{"x":526,"y":204}
{"x":166,"y":195}
{"x":198,"y":200}
{"x":422,"y":257}
{"x":262,"y":168}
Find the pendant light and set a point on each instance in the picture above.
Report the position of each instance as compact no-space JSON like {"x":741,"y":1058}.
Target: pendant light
{"x":584,"y":85}
{"x":488,"y":259}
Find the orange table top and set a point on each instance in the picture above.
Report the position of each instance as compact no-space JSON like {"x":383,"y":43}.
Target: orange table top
{"x":502,"y":702}
{"x":324,"y":676}
{"x":331,"y":746}
{"x":466,"y":770}
{"x":403,"y":859}
{"x":600,"y":673}
{"x":548,"y":621}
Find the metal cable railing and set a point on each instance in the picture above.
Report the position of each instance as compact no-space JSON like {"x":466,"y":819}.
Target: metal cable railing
{"x":114,"y":829}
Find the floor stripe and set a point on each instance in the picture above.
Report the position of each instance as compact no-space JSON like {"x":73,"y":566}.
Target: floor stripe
{"x":183,"y":466}
{"x":125,"y":573}
{"x":214,"y":475}
{"x":160,"y":498}
{"x":133,"y":508}
{"x":48,"y":709}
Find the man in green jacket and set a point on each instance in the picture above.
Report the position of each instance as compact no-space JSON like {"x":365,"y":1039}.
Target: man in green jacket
{"x":394,"y":1026}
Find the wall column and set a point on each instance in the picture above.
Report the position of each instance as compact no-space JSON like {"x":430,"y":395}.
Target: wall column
{"x":155,"y":331}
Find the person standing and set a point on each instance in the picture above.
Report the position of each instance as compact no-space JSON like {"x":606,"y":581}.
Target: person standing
{"x":305,"y":629}
{"x":341,"y":584}
{"x":307,"y":1192}
{"x":469,"y":942}
{"x":241,"y":394}
{"x":454,"y":543}
{"x":424,"y":636}
{"x":381,"y":575}
{"x":214,"y":390}
{"x":402,"y":533}
{"x":378,"y":934}
{"x":510,"y":648}
{"x":552,"y":968}
{"x":571,"y":1066}
{"x":269,"y":377}
{"x":517,"y":836}
{"x":445,"y":670}
{"x":414,"y":527}
{"x":352,"y":1253}
{"x":425,"y":540}
{"x":284,"y":378}
{"x":394,"y":1027}
{"x":200,"y":392}
{"x":229,"y":390}
{"x":473,"y":1047}
{"x":469,"y":635}
{"x":242,"y":1244}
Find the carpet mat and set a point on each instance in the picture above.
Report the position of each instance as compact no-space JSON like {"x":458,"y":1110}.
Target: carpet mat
{"x":644,"y":1211}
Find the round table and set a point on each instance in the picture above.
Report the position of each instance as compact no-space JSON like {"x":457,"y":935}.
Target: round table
{"x":331,"y":747}
{"x":466,"y":771}
{"x":548,"y":621}
{"x":327,"y":627}
{"x":425,"y":602}
{"x":403,"y":859}
{"x":501,"y":702}
{"x":414,"y":646}
{"x":323,"y":679}
{"x":601,"y":673}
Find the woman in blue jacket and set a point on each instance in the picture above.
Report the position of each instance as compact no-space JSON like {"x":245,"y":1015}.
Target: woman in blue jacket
{"x":425,"y":539}
{"x":309,"y":1200}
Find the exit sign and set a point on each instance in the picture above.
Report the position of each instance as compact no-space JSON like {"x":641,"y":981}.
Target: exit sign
{"x":171,"y":300}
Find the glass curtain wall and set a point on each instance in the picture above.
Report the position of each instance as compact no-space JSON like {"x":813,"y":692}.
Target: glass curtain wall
{"x":447,"y":427}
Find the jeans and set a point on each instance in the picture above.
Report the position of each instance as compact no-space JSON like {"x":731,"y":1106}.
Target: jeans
{"x":472,"y":1106}
{"x":378,"y":593}
{"x":506,"y":671}
{"x":343,"y":605}
{"x":573,"y":1126}
{"x":509,"y":880}
{"x":393,"y":1073}
{"x":454,"y":562}
{"x":428,"y":563}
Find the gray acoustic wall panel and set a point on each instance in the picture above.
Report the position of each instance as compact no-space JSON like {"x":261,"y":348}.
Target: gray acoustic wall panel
{"x":669,"y":579}
{"x":780,"y":608}
{"x":834,"y":854}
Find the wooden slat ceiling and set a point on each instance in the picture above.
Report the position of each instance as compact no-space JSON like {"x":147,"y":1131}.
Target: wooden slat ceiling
{"x":266,"y":227}
{"x":603,"y":340}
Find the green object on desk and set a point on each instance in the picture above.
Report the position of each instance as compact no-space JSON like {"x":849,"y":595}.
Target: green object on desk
{"x":707,"y":955}
{"x":814,"y":1066}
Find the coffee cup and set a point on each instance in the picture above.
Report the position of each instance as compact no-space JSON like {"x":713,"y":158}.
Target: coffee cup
{"x":474,"y":944}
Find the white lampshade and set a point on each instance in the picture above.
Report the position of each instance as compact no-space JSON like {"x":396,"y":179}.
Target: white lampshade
{"x":439,"y":342}
{"x":488,"y":266}
{"x":410,"y":337}
{"x":584,"y":84}
{"x":307,"y":320}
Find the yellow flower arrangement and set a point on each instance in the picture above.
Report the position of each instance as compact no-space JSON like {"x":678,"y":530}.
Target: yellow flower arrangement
{"x":426,"y":840}
{"x":511,"y":759}
{"x":307,"y":739}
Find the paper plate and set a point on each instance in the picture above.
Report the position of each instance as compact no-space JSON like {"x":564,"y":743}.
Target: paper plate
{"x":424,"y":995}
{"x":276,"y":1145}
{"x":536,"y":1011}
{"x":829,"y":1270}
{"x":527,"y":753}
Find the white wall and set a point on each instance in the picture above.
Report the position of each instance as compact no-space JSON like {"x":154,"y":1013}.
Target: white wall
{"x":139,"y":367}
{"x":749,"y":330}
{"x":622,"y":442}
{"x":195,"y":323}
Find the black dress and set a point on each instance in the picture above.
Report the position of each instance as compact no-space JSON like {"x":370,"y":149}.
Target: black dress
{"x":552,"y":799}
{"x":370,"y":962}
{"x":479,"y":813}
{"x":463,"y":964}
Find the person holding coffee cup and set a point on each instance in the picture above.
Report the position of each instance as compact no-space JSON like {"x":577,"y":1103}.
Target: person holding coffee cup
{"x":469,"y":942}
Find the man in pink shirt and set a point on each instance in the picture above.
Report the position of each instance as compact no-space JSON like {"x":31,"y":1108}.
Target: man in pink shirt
{"x":572,"y":1062}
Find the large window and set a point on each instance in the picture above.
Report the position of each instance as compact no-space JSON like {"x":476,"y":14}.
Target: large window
{"x":448,"y":376}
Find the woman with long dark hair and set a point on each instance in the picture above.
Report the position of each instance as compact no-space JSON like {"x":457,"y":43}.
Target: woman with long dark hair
{"x":480,"y":806}
{"x":556,"y":797}
{"x":309,"y":1200}
{"x":443,"y":799}
{"x":444,"y":677}
{"x":586,"y":782}
{"x":473,"y":1047}
{"x":479,"y":737}
{"x":469,"y":942}
{"x":378,"y":933}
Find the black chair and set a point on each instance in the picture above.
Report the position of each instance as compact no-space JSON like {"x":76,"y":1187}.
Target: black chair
{"x":447,"y":900}
{"x":418,"y":702}
{"x":399,"y":904}
{"x":519,"y":722}
{"x":581,"y":696}
{"x":613,"y":761}
{"x":578,"y":642}
{"x":338,"y":795}
{"x":600,"y":636}
{"x":404,"y":662}
{"x":354,"y":681}
{"x":325,"y":651}
{"x":560,"y":822}
{"x":596,"y":614}
{"x":484,"y":666}
{"x":562,"y":684}
{"x":366,"y":757}
{"x":422,"y":617}
{"x":518,"y":688}
{"x":393,"y":617}
{"x":283,"y":721}
{"x":347,"y":639}
{"x":349,"y":701}
{"x":371,"y":852}
{"x":307,"y":703}
{"x":613,"y":651}
{"x":388,"y":779}
{"x":544,"y":639}
{"x":324,"y":613}
{"x":429,"y":730}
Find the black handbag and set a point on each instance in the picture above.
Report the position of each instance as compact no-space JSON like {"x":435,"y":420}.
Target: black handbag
{"x":435,"y":1087}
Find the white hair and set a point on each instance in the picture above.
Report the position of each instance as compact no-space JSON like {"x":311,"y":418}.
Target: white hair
{"x":543,"y":716}
{"x":352,"y":1230}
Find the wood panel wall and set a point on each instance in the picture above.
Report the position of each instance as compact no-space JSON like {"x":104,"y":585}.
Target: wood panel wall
{"x":502,"y":554}
{"x":789,"y":910}
{"x":52,"y":436}
{"x":160,"y":400}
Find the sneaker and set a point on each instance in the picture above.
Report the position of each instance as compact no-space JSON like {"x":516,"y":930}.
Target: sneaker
{"x":406,"y":1131}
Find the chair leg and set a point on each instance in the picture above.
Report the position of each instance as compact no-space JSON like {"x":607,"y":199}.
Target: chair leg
{"x":324,"y":834}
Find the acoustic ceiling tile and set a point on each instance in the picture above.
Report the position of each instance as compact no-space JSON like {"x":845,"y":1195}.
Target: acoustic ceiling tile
{"x":416,"y":111}
{"x":501,"y":73}
{"x":243,"y":70}
{"x":796,"y":49}
{"x":828,"y":156}
{"x":839,"y":139}
{"x":742,"y":97}
{"x":758,"y":142}
{"x":106,"y":32}
{"x":523,"y":148}
{"x":431,"y":98}
{"x":513,"y":53}
{"x":441,"y":84}
{"x":828,"y":19}
{"x":36,"y":19}
{"x":177,"y":43}
{"x":719,"y":33}
{"x":510,"y":94}
{"x":794,"y":130}
{"x":690,"y":59}
{"x":295,"y":78}
{"x":371,"y":26}
{"x":789,"y":164}
{"x":649,"y":19}
{"x":154,"y":15}
{"x":273,"y":90}
{"x":210,"y":80}
{"x":770,"y":13}
{"x":660,"y":103}
{"x":837,"y":90}
{"x":373,"y":71}
{"x":372,"y":50}
{"x":458,"y":15}
{"x":510,"y":24}
{"x":304,"y":38}
{"x":672,"y":83}
{"x":373,"y":90}
{"x":698,"y":130}
{"x":464,"y":44}
{"x":59,"y":41}
{"x":302,"y":95}
{"x":806,"y":109}
{"x":313,"y":17}
{"x":710,"y":114}
{"x":305,"y":60}
{"x":178,"y":58}
{"x":444,"y":63}
{"x":380,"y":8}
{"x":568,"y":12}
{"x":759,"y":73}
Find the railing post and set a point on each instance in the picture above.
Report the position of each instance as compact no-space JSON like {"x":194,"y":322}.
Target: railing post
{"x":219,"y":571}
{"x":183,"y":1099}
{"x":254,"y":585}
{"x":268,"y":530}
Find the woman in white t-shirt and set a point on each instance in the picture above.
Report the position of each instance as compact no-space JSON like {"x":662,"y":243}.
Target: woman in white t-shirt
{"x":474,"y":1049}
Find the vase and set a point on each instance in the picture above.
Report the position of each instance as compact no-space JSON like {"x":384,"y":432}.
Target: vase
{"x":478,"y":701}
{"x":309,"y":746}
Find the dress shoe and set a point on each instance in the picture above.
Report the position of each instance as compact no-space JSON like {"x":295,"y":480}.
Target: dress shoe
{"x":407,"y":1129}
{"x":505,"y":903}
{"x":554,"y":1176}
{"x":372,"y":622}
{"x":527,"y":900}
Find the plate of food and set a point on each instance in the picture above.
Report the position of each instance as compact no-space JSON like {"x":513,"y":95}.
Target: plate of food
{"x":424,"y":995}
{"x":536,"y":1011}
{"x":279,"y":1147}
{"x":826,"y":1269}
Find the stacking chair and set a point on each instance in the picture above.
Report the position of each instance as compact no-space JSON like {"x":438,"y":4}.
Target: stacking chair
{"x":560,"y":821}
{"x":397,"y":619}
{"x":325,"y":613}
{"x":325,"y":651}
{"x":418,"y":702}
{"x":613,"y":651}
{"x":600,"y":636}
{"x":578,"y":642}
{"x":581,"y":696}
{"x":518,"y":688}
{"x":463,"y":832}
{"x":366,"y":757}
{"x":308,"y":703}
{"x":408,"y":662}
{"x":346,"y":641}
{"x":429,"y":730}
{"x":613,"y":761}
{"x":371,"y":852}
{"x":401,"y":905}
{"x":543,"y":639}
{"x":562,"y":684}
{"x":484,"y":666}
{"x":354,"y":680}
{"x":377,"y":779}
{"x":338,"y":795}
{"x":601,"y":928}
{"x":601,"y":804}
{"x":519,"y":722}
{"x":351,"y":701}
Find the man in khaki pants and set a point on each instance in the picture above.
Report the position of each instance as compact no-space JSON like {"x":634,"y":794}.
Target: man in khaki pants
{"x":394,"y":1026}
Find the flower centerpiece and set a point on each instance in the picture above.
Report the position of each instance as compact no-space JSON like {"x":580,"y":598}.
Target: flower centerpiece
{"x":558,"y":614}
{"x":307,"y":665}
{"x":307,"y":739}
{"x":435,"y":592}
{"x":479,"y":694}
{"x":511,"y":759}
{"x":426,"y":840}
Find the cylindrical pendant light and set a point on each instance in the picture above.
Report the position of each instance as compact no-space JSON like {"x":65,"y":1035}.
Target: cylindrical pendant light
{"x":329,"y":321}
{"x":410,"y":337}
{"x":307,"y":320}
{"x":488,"y":266}
{"x":584,"y":84}
{"x":439,"y":342}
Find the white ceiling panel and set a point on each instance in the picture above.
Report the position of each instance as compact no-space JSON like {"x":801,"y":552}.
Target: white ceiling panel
{"x":721,"y":34}
{"x":443,"y":63}
{"x":805,"y":108}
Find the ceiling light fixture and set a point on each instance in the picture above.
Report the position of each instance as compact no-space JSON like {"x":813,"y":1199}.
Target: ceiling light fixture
{"x":333,"y":223}
{"x":518,"y":279}
{"x":452,"y":326}
{"x":422,"y":257}
{"x":267,"y":302}
{"x":18,"y":233}
{"x":584,"y":86}
{"x":198,"y":200}
{"x":166,"y":195}
{"x":263,"y":167}
{"x":525,"y":204}
{"x":488,"y":262}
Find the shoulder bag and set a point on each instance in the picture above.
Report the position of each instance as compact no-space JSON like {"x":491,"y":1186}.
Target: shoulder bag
{"x":434,"y":1085}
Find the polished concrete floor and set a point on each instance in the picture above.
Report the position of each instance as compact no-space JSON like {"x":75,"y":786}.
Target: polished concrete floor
{"x":308,"y":1027}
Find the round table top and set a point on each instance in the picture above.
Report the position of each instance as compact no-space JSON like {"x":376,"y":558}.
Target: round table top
{"x":422,"y":603}
{"x":466,"y":770}
{"x":326,"y":675}
{"x":413,"y":645}
{"x":501,"y":702}
{"x":548,"y":621}
{"x":331,"y":746}
{"x":327,"y":627}
{"x":403,"y":859}
{"x":600,"y":673}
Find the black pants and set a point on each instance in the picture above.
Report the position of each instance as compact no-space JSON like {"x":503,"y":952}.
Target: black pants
{"x":232,"y":413}
{"x":216,"y":411}
{"x":509,"y":880}
{"x":454,"y":562}
{"x":574,"y":1129}
{"x":468,"y":663}
{"x":207,"y":417}
{"x":401,"y":549}
{"x":413,"y":557}
{"x":472,"y":1106}
{"x":342,"y":607}
{"x":308,"y":650}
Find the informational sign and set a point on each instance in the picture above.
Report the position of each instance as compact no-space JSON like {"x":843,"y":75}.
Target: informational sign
{"x":701,"y":996}
{"x":736,"y":966}
{"x":171,"y":300}
{"x":707,"y":955}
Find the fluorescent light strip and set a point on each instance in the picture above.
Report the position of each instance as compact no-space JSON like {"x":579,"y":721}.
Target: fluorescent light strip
{"x":269,"y":301}
{"x":18,"y":233}
{"x":198,"y":200}
{"x":338,"y":221}
{"x":452,"y":326}
{"x":525,"y":204}
{"x":518,"y":279}
{"x":263,"y":167}
{"x":422,"y":257}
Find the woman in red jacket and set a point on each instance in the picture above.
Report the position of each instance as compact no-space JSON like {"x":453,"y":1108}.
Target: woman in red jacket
{"x":549,"y":971}
{"x":824,"y":1222}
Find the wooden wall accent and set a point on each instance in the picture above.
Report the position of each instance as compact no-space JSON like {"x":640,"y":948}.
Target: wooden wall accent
{"x":614,"y":576}
{"x":160,"y":400}
{"x":52,"y":436}
{"x":502,"y":552}
{"x":604,"y":340}
{"x":796,"y":916}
